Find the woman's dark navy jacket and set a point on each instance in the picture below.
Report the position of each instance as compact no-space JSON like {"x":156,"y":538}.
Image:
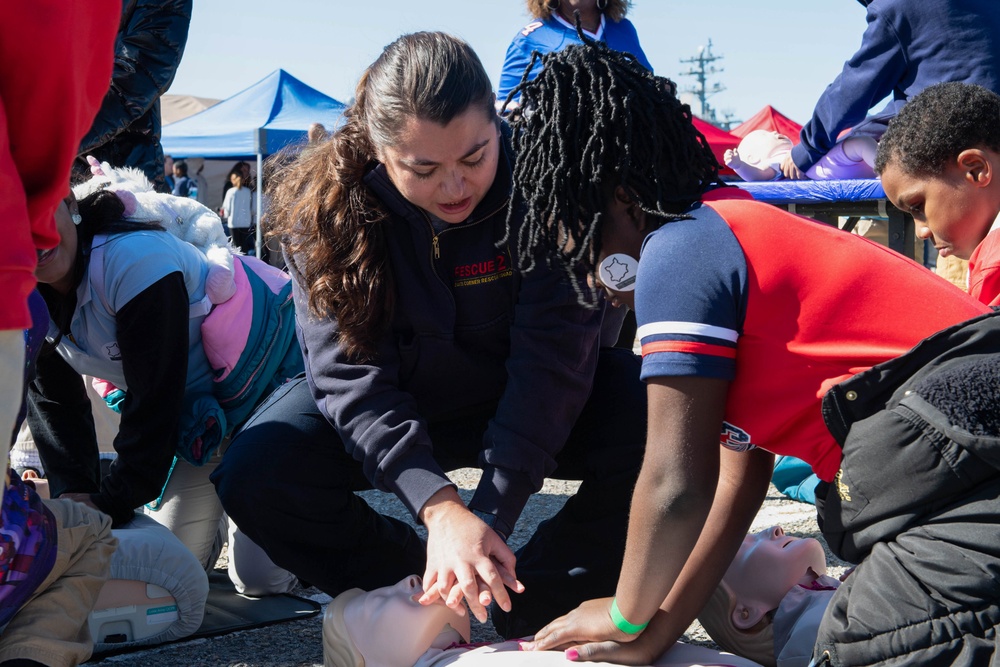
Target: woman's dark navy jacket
{"x":469,"y":330}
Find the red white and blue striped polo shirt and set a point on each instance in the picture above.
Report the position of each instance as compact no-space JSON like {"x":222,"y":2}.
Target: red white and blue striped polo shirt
{"x":784,"y":308}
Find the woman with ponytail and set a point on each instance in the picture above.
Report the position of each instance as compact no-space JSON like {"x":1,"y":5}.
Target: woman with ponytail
{"x":428,"y":349}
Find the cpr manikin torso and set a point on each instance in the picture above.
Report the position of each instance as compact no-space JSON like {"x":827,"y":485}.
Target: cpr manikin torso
{"x":386,"y":628}
{"x":406,"y":629}
{"x":761,"y":152}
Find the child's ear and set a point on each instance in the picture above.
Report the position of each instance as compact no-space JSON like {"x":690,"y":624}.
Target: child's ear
{"x":622,"y":196}
{"x":635,"y":213}
{"x":747,"y":614}
{"x":976,"y":166}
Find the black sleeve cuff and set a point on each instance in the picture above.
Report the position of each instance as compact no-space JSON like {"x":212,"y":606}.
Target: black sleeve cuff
{"x":493,"y":521}
{"x":501,"y":494}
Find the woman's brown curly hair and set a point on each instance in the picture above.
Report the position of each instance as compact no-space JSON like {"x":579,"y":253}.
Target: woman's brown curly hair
{"x":616,"y":10}
{"x":329,"y":222}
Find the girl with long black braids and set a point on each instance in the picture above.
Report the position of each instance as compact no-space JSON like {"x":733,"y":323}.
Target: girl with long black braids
{"x":747,"y":315}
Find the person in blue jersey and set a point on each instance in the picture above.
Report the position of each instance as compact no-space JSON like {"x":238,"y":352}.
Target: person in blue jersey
{"x":553,"y":27}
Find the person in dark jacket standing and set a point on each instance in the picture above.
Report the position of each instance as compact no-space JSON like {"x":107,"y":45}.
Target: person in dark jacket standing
{"x":906,"y":47}
{"x":428,"y":349}
{"x":148,"y":50}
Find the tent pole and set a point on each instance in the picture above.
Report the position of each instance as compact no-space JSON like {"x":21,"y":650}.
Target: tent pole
{"x":260,"y":178}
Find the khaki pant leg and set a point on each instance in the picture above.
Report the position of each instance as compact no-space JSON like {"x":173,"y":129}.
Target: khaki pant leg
{"x":191,"y":510}
{"x":252,"y":571}
{"x":51,"y":627}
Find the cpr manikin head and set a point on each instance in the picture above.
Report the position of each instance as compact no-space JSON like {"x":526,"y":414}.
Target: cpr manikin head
{"x":386,"y":627}
{"x":762,"y":148}
{"x":768,"y":564}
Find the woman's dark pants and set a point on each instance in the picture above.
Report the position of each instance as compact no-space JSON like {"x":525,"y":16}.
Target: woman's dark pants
{"x":289,"y":484}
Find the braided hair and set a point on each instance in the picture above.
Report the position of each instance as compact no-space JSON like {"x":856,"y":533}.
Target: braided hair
{"x":592,"y":120}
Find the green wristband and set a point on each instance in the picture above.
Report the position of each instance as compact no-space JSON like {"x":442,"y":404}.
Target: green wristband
{"x":622,"y":623}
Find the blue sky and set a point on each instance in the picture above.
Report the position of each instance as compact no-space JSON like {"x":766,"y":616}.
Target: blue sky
{"x":778,"y":52}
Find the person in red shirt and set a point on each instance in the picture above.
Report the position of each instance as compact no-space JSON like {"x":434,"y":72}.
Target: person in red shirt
{"x":938,"y":161}
{"x":55,"y":67}
{"x":748,"y":316}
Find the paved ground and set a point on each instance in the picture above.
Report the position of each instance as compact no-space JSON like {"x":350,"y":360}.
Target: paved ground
{"x":299,"y":643}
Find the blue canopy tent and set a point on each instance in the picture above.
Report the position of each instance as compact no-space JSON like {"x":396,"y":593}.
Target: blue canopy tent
{"x":262,"y":119}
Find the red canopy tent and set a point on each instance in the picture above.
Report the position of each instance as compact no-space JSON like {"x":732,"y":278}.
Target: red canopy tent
{"x":718,"y":140}
{"x":769,"y":118}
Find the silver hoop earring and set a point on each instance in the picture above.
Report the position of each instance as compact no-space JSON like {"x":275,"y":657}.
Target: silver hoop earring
{"x":553,"y":4}
{"x":602,"y":5}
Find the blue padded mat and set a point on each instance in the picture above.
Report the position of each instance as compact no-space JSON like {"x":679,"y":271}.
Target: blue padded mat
{"x":806,"y":191}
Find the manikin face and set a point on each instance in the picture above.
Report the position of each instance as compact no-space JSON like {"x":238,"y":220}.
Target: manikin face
{"x":55,"y":266}
{"x":445,"y":169}
{"x":762,"y":147}
{"x":954,"y":209}
{"x":389,"y":628}
{"x":767,"y":566}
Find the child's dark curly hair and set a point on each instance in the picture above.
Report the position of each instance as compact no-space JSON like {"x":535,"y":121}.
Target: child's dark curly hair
{"x":592,"y":120}
{"x":939,"y":123}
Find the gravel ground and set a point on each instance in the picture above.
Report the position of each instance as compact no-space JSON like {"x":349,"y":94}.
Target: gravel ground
{"x":299,"y":643}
